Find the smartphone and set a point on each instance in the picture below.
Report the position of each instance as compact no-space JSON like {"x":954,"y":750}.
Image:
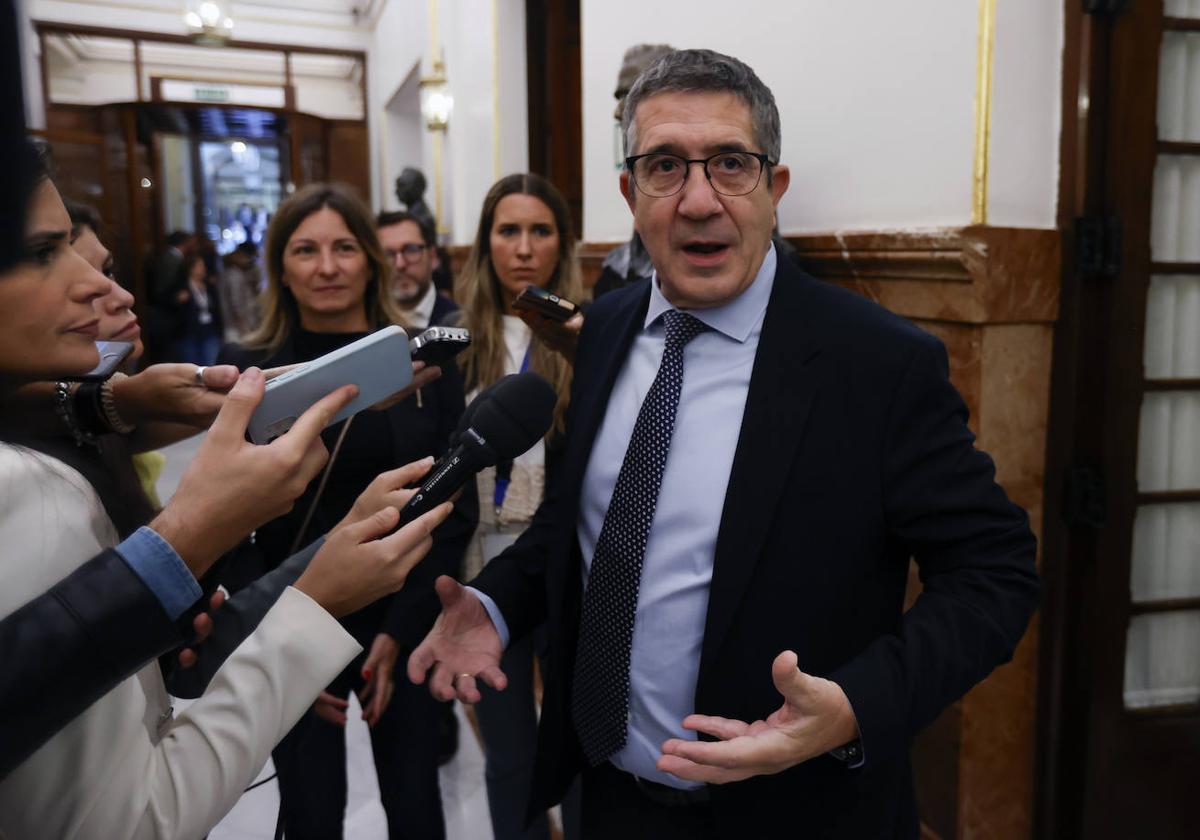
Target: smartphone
{"x":112,"y":353}
{"x":537,"y":299}
{"x":378,"y":364}
{"x":438,"y":345}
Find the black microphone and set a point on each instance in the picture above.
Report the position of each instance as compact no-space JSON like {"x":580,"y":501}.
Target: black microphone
{"x":504,"y":421}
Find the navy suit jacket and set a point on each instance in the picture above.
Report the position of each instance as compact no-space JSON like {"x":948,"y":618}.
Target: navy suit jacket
{"x":853,"y":457}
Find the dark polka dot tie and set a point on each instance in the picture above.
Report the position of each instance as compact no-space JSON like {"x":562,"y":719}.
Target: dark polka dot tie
{"x":600,"y":694}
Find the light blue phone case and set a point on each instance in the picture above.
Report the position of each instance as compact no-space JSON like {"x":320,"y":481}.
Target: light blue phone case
{"x":379,"y":364}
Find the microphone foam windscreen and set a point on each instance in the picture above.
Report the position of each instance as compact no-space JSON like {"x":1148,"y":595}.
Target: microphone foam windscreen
{"x":518,"y":410}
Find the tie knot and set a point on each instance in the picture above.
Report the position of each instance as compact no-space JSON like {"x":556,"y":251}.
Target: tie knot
{"x":681,"y":327}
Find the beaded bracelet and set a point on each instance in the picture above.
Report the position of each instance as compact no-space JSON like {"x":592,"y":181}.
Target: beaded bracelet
{"x":65,"y":409}
{"x":109,"y":408}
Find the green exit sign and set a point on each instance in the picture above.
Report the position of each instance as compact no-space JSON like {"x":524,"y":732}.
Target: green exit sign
{"x":211,"y":94}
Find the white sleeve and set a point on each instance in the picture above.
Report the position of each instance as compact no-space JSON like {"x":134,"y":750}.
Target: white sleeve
{"x":212,"y":751}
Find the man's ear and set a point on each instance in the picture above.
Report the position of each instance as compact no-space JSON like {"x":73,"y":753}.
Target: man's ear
{"x":781,"y":178}
{"x":437,"y":258}
{"x":628,"y":190}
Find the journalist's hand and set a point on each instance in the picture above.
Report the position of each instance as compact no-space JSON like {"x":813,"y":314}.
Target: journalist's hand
{"x":377,"y":672}
{"x":365,"y":561}
{"x":233,"y":486}
{"x":170,"y":392}
{"x":203,"y":626}
{"x":387,"y":490}
{"x":422,"y":375}
{"x":462,"y":646}
{"x":560,"y":336}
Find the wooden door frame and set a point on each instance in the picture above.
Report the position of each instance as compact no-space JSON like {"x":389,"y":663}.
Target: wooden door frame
{"x":1107,"y":160}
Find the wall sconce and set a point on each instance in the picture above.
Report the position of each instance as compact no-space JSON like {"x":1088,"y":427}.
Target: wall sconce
{"x":209,"y":21}
{"x":436,"y":101}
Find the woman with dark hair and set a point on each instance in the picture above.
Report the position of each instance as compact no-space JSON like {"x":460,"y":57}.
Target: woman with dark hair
{"x":119,"y":768}
{"x":326,"y":287}
{"x":525,"y":237}
{"x":199,"y":327}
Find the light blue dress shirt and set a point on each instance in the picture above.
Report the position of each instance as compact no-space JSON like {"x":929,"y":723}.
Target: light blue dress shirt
{"x":677,"y":570}
{"x":162,"y":570}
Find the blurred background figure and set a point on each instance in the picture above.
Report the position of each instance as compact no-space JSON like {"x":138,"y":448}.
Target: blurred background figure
{"x":240,"y":284}
{"x":629,"y":262}
{"x":197,"y":313}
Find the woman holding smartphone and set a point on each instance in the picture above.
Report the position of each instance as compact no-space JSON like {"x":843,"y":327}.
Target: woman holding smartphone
{"x":327,"y":287}
{"x":116,"y":769}
{"x":525,"y":238}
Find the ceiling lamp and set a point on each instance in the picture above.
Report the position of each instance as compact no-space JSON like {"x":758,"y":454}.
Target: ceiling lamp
{"x":209,"y":21}
{"x":436,"y":101}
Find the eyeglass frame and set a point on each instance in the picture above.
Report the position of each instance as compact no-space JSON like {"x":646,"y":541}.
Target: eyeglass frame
{"x":764,"y":161}
{"x":410,"y":251}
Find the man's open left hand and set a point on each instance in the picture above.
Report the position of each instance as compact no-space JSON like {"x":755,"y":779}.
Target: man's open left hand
{"x":815,"y":717}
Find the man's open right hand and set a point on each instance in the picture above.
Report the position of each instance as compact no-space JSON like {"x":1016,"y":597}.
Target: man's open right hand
{"x":462,"y":647}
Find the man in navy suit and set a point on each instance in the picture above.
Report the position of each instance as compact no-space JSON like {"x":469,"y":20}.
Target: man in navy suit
{"x":729,"y":651}
{"x":411,"y":245}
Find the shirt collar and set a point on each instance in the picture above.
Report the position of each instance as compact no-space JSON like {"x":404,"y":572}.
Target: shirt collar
{"x":735,"y":319}
{"x":424,"y":308}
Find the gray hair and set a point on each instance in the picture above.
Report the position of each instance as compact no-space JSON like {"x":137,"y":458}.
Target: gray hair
{"x":687,"y":71}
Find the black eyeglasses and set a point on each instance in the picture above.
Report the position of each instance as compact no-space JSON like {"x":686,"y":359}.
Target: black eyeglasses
{"x":661,"y":175}
{"x":410,"y":251}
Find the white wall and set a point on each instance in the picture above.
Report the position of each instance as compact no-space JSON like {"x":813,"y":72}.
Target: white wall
{"x":876,"y":101}
{"x":1026,"y":114}
{"x":476,"y":37}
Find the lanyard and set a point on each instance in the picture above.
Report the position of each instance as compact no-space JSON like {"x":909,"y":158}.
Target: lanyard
{"x":504,"y":468}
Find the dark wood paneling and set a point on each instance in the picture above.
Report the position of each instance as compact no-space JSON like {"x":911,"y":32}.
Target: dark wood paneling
{"x":349,"y":160}
{"x":555,"y":89}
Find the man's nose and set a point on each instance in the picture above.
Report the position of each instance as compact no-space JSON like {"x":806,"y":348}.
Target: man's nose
{"x":697,"y":198}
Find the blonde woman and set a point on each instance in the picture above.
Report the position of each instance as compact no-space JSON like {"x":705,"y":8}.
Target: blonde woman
{"x":524,"y":238}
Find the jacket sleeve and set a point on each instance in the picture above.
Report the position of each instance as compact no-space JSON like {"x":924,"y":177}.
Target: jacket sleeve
{"x":204,"y":759}
{"x":69,"y":647}
{"x":976,"y":556}
{"x":237,"y":618}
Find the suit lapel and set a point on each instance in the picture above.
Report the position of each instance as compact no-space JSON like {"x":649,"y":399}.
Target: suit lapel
{"x":611,"y":348}
{"x":596,"y":370}
{"x":783,"y":385}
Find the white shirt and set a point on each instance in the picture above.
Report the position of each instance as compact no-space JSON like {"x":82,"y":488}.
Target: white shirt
{"x":420,"y":314}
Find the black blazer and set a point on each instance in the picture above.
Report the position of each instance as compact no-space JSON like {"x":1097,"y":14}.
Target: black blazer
{"x":70,"y":646}
{"x":444,"y":311}
{"x":416,"y":431}
{"x":854,"y":455}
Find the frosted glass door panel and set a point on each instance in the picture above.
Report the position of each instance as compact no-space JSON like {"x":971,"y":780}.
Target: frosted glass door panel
{"x":1175,"y":221}
{"x":1181,"y":8}
{"x":1169,"y":442}
{"x":1179,"y":87}
{"x":1173,"y":328}
{"x":1162,"y":659}
{"x":1166,"y":553}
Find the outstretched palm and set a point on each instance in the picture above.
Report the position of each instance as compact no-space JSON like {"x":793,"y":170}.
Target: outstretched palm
{"x":815,"y":717}
{"x":462,"y":646}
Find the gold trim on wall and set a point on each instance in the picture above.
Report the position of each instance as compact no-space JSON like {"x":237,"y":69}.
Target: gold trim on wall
{"x":983,"y":110}
{"x":495,"y":91}
{"x":436,"y":137}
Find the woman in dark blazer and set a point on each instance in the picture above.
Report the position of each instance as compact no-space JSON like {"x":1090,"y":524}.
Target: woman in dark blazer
{"x":325,"y":269}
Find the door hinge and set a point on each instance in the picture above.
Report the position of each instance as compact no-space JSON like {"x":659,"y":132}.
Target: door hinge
{"x":1084,"y":500}
{"x":1098,"y":246}
{"x":1106,"y":7}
